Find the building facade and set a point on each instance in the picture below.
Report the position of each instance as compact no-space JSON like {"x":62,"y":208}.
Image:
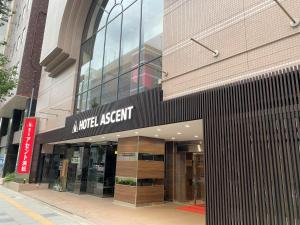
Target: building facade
{"x":152,"y":101}
{"x":24,"y":37}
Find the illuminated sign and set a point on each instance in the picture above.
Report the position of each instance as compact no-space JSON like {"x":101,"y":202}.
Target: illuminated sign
{"x":115,"y":116}
{"x":27,"y":143}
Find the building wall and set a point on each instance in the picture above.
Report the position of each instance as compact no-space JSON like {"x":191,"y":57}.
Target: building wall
{"x":24,"y":39}
{"x":56,"y":97}
{"x":59,"y":57}
{"x":17,"y":32}
{"x":251,"y":36}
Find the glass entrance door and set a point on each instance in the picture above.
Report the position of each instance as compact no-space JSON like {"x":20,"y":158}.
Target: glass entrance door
{"x":198,"y":178}
{"x":188,"y":166}
{"x":101,"y":170}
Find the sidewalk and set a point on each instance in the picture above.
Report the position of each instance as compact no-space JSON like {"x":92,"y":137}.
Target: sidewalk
{"x":103,"y":211}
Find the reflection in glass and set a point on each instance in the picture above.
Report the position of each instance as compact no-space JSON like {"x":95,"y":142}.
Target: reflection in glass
{"x":81,"y":102}
{"x":152,"y":29}
{"x":130,"y":38}
{"x":121,"y":51}
{"x":85,"y":66}
{"x":112,"y":47}
{"x":109,"y":91}
{"x":97,"y":60}
{"x":150,"y":75}
{"x":93,"y":99}
{"x":127,"y":85}
{"x":101,"y":170}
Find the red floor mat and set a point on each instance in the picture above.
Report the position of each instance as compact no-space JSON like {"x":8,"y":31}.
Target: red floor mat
{"x":193,"y":208}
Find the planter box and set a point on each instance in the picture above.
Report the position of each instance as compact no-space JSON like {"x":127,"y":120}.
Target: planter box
{"x":24,"y":187}
{"x":139,"y":195}
{"x":125,"y":193}
{"x":150,"y":194}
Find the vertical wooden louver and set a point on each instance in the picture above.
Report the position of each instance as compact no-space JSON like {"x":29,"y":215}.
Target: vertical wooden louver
{"x":252,"y":142}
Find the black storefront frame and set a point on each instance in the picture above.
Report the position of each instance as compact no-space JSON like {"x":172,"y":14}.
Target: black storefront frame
{"x":251,"y":137}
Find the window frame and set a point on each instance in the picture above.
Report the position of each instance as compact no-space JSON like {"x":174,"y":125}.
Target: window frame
{"x":88,"y":37}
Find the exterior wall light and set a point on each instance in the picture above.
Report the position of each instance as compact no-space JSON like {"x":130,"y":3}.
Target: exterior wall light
{"x":294,"y":21}
{"x":215,"y":52}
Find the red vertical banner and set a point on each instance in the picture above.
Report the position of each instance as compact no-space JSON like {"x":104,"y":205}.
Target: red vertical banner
{"x":27,"y":143}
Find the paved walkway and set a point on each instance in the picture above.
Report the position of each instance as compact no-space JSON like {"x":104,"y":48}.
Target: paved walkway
{"x":18,"y":209}
{"x":103,"y":211}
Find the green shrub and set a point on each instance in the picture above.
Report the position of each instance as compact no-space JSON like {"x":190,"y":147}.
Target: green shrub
{"x":126,"y":181}
{"x":10,"y":177}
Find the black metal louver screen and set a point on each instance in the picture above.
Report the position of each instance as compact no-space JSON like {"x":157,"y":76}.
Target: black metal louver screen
{"x":252,"y":142}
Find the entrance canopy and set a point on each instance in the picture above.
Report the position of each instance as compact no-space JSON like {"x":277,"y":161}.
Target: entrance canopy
{"x":184,"y":131}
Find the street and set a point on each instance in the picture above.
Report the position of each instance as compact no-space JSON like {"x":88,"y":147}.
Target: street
{"x":16,"y":208}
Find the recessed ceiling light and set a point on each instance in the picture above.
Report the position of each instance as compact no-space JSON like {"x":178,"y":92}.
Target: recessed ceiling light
{"x":178,"y":133}
{"x":102,"y":137}
{"x":158,"y":129}
{"x":196,"y":136}
{"x":90,"y":139}
{"x":173,"y":138}
{"x":187,"y":126}
{"x":118,"y":135}
{"x":156,"y":135}
{"x":136,"y":132}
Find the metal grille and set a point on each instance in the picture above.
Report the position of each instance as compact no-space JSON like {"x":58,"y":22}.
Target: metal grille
{"x":252,"y":151}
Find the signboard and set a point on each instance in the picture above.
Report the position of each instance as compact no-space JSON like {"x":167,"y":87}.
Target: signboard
{"x":27,"y":143}
{"x":114,"y":116}
{"x":2,"y":161}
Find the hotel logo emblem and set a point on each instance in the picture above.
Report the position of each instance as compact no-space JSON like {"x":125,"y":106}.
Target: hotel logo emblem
{"x":75,"y":128}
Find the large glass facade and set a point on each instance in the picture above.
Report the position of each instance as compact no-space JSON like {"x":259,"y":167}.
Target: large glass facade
{"x":120,"y":52}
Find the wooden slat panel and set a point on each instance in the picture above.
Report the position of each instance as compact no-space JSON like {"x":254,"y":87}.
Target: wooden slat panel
{"x":150,"y":194}
{"x":150,"y":169}
{"x":125,"y":193}
{"x":127,"y":168}
{"x":151,"y":145}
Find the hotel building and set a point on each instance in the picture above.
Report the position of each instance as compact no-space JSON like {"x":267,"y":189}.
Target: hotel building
{"x":148,"y":101}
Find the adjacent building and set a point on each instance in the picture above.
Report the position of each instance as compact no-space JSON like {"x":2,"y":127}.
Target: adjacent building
{"x":24,"y":37}
{"x":187,"y":101}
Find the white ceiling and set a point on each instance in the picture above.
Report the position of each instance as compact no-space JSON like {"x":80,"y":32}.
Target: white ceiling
{"x":184,"y":131}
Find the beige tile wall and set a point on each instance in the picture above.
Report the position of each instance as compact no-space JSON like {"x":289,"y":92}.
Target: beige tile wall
{"x":252,"y":36}
{"x":56,"y":96}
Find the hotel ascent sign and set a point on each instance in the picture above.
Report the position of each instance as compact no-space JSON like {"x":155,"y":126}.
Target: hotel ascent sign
{"x":114,"y":116}
{"x":27,"y":143}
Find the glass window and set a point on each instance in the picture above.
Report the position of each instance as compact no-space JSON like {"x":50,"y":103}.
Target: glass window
{"x":81,"y":102}
{"x":150,"y":75}
{"x":112,"y":47}
{"x":85,"y":66}
{"x":93,"y":99}
{"x":109,"y":91}
{"x":127,"y":3}
{"x":152,"y":29}
{"x":97,"y":60}
{"x":127,"y":84}
{"x":130,"y":38}
{"x":93,"y":19}
{"x":121,"y":51}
